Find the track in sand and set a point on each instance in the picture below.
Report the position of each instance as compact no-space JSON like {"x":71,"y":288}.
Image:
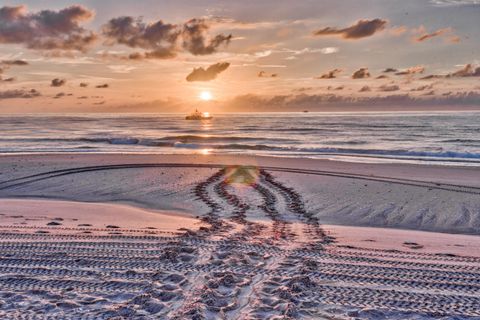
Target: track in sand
{"x":279,"y":265}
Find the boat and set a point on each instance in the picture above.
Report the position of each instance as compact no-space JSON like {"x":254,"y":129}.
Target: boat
{"x":197,"y":115}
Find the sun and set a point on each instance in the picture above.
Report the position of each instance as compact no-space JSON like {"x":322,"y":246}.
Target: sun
{"x":206,"y":95}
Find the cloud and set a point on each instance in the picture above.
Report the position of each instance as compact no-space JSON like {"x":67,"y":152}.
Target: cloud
{"x":326,"y":50}
{"x":47,"y":29}
{"x":389,"y":88}
{"x":19,"y":93}
{"x":382,"y":76}
{"x":411,"y":70}
{"x":163,"y":40}
{"x":14,"y":62}
{"x":121,"y":68}
{"x":422,"y":88}
{"x":264,"y":74}
{"x":59,"y":95}
{"x":330,"y":74}
{"x":388,"y":70}
{"x":467,"y":71}
{"x":335,"y":102}
{"x":452,"y":3}
{"x":398,"y":31}
{"x":361,"y":74}
{"x":83,"y":84}
{"x":365,"y":89}
{"x":58,"y":82}
{"x":432,"y":76}
{"x":102,"y":86}
{"x":361,"y":29}
{"x":208,"y":74}
{"x":422,"y":35}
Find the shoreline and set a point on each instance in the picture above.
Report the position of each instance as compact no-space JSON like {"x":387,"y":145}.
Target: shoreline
{"x":375,"y":192}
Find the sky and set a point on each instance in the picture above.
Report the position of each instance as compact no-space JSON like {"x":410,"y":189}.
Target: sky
{"x":271,"y":55}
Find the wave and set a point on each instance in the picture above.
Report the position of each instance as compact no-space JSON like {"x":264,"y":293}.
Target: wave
{"x":236,"y":143}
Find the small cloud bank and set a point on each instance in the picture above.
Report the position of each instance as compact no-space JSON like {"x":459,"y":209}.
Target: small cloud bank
{"x":162,"y":40}
{"x":332,"y":74}
{"x":47,"y":29}
{"x":58,"y":82}
{"x":264,"y":74}
{"x":361,"y":29}
{"x":361,"y":73}
{"x":447,"y":33}
{"x":19,"y":94}
{"x":208,"y":74}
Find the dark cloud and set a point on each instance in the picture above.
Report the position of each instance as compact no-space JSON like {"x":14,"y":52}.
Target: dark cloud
{"x":58,"y":82}
{"x":102,"y":86}
{"x":19,"y":94}
{"x":361,"y":29}
{"x":195,"y":38}
{"x":82,"y":97}
{"x":382,"y":76}
{"x":46,"y":29}
{"x":11,"y":79}
{"x":432,"y":76}
{"x":14,"y":62}
{"x":83,"y":84}
{"x":361,"y":74}
{"x":208,"y":74}
{"x":389,"y":88}
{"x":330,"y":74}
{"x":365,"y":89}
{"x":59,"y":95}
{"x":163,"y":40}
{"x":388,"y":70}
{"x":263,"y":74}
{"x":340,"y":88}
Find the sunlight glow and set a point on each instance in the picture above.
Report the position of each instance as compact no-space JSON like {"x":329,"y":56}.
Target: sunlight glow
{"x":206,"y":95}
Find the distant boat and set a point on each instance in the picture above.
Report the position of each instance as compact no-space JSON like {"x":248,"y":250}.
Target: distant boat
{"x":197,"y":115}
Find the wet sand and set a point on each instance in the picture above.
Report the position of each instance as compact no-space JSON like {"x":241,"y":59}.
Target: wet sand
{"x":189,"y":238}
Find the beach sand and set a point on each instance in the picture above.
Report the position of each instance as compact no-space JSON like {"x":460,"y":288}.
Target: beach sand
{"x":236,"y":237}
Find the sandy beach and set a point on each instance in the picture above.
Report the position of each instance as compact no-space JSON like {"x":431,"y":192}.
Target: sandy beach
{"x":130,"y":236}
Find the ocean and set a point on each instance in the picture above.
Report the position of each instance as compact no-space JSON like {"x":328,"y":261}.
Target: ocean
{"x":445,"y":138}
